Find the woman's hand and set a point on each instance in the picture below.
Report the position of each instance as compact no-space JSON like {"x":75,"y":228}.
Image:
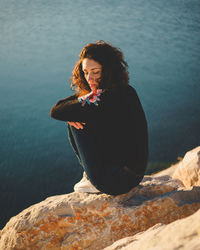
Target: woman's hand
{"x":77,"y":125}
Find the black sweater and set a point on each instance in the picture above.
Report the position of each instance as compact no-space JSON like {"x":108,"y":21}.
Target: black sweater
{"x":118,"y":124}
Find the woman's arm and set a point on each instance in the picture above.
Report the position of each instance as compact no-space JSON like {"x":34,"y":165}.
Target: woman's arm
{"x":72,"y":109}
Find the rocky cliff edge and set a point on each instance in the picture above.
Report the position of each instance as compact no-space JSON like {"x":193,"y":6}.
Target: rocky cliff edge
{"x":95,"y":221}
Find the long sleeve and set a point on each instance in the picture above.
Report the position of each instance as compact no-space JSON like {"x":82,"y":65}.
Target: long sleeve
{"x":70,"y":109}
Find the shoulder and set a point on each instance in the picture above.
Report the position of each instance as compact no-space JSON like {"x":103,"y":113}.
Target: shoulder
{"x":129,"y":90}
{"x":131,"y":93}
{"x":130,"y":97}
{"x":126,"y":92}
{"x":120,"y":90}
{"x":120,"y":95}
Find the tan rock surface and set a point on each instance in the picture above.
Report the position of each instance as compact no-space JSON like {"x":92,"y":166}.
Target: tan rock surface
{"x":188,"y":170}
{"x":168,"y":171}
{"x":80,"y":221}
{"x":182,"y":234}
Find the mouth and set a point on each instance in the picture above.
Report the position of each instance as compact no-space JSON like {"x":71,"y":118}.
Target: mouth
{"x":93,"y":85}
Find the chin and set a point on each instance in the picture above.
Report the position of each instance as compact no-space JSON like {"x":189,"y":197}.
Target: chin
{"x":93,"y":87}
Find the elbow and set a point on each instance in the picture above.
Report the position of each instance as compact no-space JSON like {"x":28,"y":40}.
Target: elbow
{"x":57,"y":114}
{"x":53,"y":113}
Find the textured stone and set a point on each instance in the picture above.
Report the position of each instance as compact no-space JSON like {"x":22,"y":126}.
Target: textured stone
{"x":188,"y":170}
{"x":182,"y":234}
{"x":80,"y":221}
{"x":168,"y":171}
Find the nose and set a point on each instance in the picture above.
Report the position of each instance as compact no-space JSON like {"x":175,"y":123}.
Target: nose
{"x":90,"y":77}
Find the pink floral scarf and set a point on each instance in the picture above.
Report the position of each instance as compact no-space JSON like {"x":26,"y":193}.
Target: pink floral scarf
{"x":92,"y":97}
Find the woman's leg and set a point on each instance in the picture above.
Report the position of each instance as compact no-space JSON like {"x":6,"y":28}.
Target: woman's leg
{"x":113,"y":179}
{"x":105,"y":176}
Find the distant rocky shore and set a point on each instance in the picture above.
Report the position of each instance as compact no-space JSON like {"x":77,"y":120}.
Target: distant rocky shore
{"x":163,"y":212}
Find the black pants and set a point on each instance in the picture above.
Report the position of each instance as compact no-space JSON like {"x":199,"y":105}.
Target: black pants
{"x":106,"y":176}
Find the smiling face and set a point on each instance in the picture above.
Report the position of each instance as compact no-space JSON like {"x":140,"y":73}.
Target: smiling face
{"x":92,"y":72}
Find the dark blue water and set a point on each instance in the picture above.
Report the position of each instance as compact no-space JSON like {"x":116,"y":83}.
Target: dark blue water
{"x":39,"y":45}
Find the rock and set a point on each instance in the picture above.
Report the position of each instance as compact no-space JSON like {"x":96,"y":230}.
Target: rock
{"x":182,"y":234}
{"x":188,"y":170}
{"x":168,"y":171}
{"x":80,"y":221}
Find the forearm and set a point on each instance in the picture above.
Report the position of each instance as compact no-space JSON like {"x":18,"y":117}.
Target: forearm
{"x":76,"y":109}
{"x":68,"y":109}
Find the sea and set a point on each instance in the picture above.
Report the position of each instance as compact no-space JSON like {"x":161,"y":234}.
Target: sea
{"x":40,"y":42}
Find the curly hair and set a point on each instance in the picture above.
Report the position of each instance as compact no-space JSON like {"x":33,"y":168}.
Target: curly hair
{"x":114,"y":67}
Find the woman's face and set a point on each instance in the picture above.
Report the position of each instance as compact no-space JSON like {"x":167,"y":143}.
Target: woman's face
{"x":92,"y":71}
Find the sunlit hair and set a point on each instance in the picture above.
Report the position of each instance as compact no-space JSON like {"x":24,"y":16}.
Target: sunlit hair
{"x":114,"y":67}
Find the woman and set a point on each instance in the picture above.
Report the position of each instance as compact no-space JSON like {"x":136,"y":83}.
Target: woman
{"x":106,"y":122}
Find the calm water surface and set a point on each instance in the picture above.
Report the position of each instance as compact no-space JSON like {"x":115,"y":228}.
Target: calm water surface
{"x":39,"y":44}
